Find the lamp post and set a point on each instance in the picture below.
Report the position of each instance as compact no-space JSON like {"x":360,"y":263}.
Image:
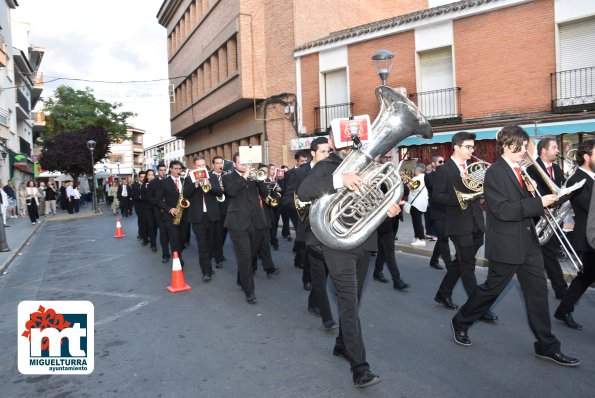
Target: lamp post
{"x":155,"y":157}
{"x":383,"y":61}
{"x":91,"y":145}
{"x":118,"y":164}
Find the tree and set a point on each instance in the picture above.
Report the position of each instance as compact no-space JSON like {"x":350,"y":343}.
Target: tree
{"x":71,"y":110}
{"x":68,"y":152}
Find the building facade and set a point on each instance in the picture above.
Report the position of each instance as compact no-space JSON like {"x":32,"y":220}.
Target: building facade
{"x":22,"y":86}
{"x":469,"y":65}
{"x":126,"y":159}
{"x":164,"y":152}
{"x":232,"y":69}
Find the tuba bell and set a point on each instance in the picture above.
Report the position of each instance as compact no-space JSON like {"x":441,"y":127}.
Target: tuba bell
{"x":345,"y":219}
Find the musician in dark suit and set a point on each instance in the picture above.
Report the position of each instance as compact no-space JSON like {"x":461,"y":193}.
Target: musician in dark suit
{"x":301,"y":158}
{"x":220,"y":233}
{"x":347,"y":268}
{"x":437,"y":216}
{"x":140,"y":221}
{"x":547,"y":149}
{"x":580,"y":201}
{"x":465,"y":228}
{"x":168,"y":194}
{"x":145,"y":211}
{"x":153,"y":190}
{"x":203,"y":213}
{"x":246,"y":223}
{"x":512,"y":248}
{"x":124,"y":193}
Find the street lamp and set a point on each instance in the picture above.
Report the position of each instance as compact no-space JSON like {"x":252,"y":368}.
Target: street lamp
{"x":118,"y":164}
{"x":91,"y":145}
{"x":383,"y":61}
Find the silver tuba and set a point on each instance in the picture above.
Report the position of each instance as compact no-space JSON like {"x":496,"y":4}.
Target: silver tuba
{"x":345,"y":219}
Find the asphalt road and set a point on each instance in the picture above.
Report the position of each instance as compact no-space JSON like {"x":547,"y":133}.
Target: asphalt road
{"x":208,"y":342}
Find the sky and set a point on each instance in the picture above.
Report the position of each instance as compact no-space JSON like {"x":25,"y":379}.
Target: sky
{"x":109,"y":40}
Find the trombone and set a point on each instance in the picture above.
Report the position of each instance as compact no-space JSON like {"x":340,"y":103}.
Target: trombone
{"x":549,"y":215}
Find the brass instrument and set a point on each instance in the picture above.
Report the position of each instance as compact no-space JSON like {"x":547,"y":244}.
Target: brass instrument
{"x":473,"y":178}
{"x":345,"y":219}
{"x":205,"y":185}
{"x":273,"y":202}
{"x":408,"y":180}
{"x":302,"y":208}
{"x":257,"y":175}
{"x":183,"y":203}
{"x":553,"y":222}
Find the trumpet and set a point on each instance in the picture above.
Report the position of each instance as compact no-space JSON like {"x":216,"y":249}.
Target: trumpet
{"x":205,"y":185}
{"x":273,"y":202}
{"x":473,"y":178}
{"x":408,"y":180}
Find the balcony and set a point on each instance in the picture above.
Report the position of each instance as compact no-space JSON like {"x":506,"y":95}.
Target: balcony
{"x":439,"y":106}
{"x":4,"y":117}
{"x":38,"y":120}
{"x":3,"y":53}
{"x":23,"y":107}
{"x":37,"y":88}
{"x":573,"y":90}
{"x":324,"y":114}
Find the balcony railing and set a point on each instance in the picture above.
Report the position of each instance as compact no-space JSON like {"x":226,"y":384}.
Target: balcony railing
{"x":439,"y":106}
{"x":3,"y":53}
{"x":573,"y":90}
{"x":4,"y":117}
{"x":324,"y":114}
{"x":23,"y":101}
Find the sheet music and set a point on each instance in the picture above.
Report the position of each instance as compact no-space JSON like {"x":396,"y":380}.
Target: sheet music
{"x":567,"y":190}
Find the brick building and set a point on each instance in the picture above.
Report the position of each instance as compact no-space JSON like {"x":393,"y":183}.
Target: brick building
{"x":469,"y":65}
{"x":232,"y":67}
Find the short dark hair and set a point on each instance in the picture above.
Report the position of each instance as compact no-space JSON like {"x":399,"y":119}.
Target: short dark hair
{"x":160,"y":165}
{"x":584,"y":148}
{"x":511,"y":135}
{"x":461,"y":137}
{"x":196,"y":158}
{"x":142,"y":172}
{"x":544,"y":143}
{"x":235,"y":156}
{"x":316,"y":142}
{"x":302,"y":153}
{"x":215,"y":158}
{"x":174,"y":163}
{"x":436,"y":157}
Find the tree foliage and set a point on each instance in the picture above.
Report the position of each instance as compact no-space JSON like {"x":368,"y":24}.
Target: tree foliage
{"x":71,"y":110}
{"x":68,"y":152}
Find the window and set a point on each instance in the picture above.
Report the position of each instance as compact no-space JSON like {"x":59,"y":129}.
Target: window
{"x":334,"y":98}
{"x":116,"y":157}
{"x":436,"y":97}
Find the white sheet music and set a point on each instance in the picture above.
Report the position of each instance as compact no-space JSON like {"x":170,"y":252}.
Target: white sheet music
{"x":566,"y":190}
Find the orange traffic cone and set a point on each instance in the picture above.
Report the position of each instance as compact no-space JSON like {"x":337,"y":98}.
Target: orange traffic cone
{"x":119,"y":232}
{"x":178,"y":283}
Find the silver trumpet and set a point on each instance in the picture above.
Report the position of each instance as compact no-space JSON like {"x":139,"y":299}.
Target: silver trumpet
{"x":345,"y":219}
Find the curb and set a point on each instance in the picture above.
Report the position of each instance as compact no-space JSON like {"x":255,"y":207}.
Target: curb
{"x":78,"y":217}
{"x":15,"y":251}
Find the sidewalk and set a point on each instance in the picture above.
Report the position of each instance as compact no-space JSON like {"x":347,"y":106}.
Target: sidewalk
{"x":20,"y":230}
{"x":405,"y":237}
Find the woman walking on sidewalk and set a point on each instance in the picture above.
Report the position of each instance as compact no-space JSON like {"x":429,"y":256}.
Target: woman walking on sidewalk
{"x":22,"y":200}
{"x":33,"y":202}
{"x":113,"y":192}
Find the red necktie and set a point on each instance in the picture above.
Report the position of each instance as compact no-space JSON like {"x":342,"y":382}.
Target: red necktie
{"x":177,"y":186}
{"x":517,"y":170}
{"x":463,"y":167}
{"x":551,"y":171}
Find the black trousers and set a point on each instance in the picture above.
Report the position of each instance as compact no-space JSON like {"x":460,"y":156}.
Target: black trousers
{"x":149,"y":225}
{"x":163,"y":237}
{"x":553,"y":269}
{"x":246,"y":246}
{"x":176,"y":234}
{"x":124,"y":206}
{"x":33,"y":211}
{"x":386,"y":253}
{"x":463,"y":267}
{"x":579,"y":284}
{"x":428,"y":222}
{"x":285,"y":231}
{"x":204,"y":232}
{"x":218,"y":238}
{"x":348,"y":270}
{"x":416,"y":219}
{"x":70,"y":205}
{"x":441,"y":248}
{"x":275,"y":216}
{"x":141,"y":222}
{"x":318,"y":297}
{"x":534,"y":286}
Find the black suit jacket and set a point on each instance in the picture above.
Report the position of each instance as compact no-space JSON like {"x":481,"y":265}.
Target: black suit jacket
{"x":245,"y":206}
{"x":542,"y":187}
{"x":222,"y":205}
{"x":580,"y":202}
{"x":510,"y":231}
{"x":135,"y":188}
{"x":167,"y":196}
{"x":320,"y":182}
{"x":128,"y":192}
{"x":195,"y":195}
{"x":457,"y":221}
{"x":303,"y":228}
{"x":153,"y":196}
{"x":143,"y":196}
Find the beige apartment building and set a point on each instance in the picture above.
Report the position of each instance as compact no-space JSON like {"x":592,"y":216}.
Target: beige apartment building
{"x":233,"y":71}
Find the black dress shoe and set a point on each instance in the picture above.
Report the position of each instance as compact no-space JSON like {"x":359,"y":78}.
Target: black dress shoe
{"x":460,"y":336}
{"x":145,"y":242}
{"x":380,"y":277}
{"x":489,"y":317}
{"x":560,"y":359}
{"x":314,"y":311}
{"x":446,"y":301}
{"x":341,"y":352}
{"x":400,"y":284}
{"x":330,"y":324}
{"x":568,"y":320}
{"x":164,"y":259}
{"x":219,"y":265}
{"x":436,"y":265}
{"x":274,"y":271}
{"x":289,"y":238}
{"x":251,"y":298}
{"x":276,"y":247}
{"x":363,"y":377}
{"x":308,"y":286}
{"x":154,"y":248}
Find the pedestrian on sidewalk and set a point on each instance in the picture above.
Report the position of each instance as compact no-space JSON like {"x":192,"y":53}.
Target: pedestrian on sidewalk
{"x":12,"y":198}
{"x":113,"y":193}
{"x":50,"y":198}
{"x":22,"y":200}
{"x":418,"y":201}
{"x":42,"y":188}
{"x":32,"y":199}
{"x":4,"y":197}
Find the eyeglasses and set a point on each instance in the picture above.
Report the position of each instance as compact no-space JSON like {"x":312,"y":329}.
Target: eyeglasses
{"x":469,"y":147}
{"x":440,"y":161}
